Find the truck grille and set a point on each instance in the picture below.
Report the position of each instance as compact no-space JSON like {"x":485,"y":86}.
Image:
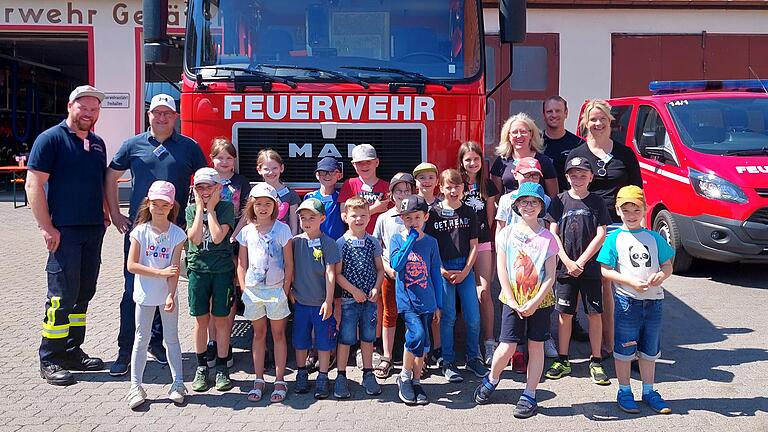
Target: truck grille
{"x":763,"y":192}
{"x":398,"y":149}
{"x":760,"y":216}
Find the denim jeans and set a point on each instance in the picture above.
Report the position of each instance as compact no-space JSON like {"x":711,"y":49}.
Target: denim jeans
{"x":637,"y":328}
{"x":416,"y":332}
{"x":470,"y":310}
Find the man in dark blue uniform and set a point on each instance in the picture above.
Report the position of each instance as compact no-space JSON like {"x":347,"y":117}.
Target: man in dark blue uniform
{"x":72,"y":160}
{"x":161,"y":153}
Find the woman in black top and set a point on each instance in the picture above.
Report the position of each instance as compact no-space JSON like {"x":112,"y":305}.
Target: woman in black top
{"x":520,"y":137}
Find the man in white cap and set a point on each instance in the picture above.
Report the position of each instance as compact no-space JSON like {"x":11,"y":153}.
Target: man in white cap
{"x":72,"y":160}
{"x":161,"y":153}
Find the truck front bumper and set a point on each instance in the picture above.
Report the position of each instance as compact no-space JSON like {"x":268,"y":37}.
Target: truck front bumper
{"x":722,"y":239}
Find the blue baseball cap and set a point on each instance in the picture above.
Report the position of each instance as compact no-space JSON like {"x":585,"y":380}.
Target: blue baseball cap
{"x":328,"y":164}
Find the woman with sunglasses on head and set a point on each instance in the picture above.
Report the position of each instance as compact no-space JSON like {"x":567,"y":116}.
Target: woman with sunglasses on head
{"x":521,"y":138}
{"x":614,"y":166}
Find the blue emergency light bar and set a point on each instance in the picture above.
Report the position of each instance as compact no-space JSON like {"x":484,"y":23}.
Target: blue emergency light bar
{"x":667,"y":87}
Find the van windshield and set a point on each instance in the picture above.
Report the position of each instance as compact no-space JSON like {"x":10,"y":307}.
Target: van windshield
{"x":724,"y":126}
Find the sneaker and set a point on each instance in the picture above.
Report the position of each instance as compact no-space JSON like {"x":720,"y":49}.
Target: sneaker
{"x":451,"y":373}
{"x":302,"y":381}
{"x":550,"y":350}
{"x":654,"y":400}
{"x":578,"y":333}
{"x":120,"y":366}
{"x":341,"y":387}
{"x":477,"y":366}
{"x":372,"y":387}
{"x":421,"y":395}
{"x":322,"y":384}
{"x":56,"y":375}
{"x":158,"y":354}
{"x":223,"y":383}
{"x":136,"y":396}
{"x":526,"y":407}
{"x":80,"y":361}
{"x":406,"y":391}
{"x":518,"y":363}
{"x":598,"y":374}
{"x":200,"y":383}
{"x":435,"y":358}
{"x":210,"y":354}
{"x":177,"y":393}
{"x":484,"y":391}
{"x":559,"y":369}
{"x":490,"y":348}
{"x":626,"y":401}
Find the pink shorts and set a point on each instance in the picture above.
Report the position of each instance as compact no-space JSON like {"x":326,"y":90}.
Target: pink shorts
{"x":487,"y":246}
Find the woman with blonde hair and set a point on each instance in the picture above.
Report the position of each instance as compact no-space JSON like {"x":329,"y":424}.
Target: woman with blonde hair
{"x":520,"y":138}
{"x":614,"y":166}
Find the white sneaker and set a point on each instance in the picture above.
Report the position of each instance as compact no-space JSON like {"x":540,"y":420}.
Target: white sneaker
{"x":177,"y":393}
{"x":136,"y":396}
{"x":490,"y":348}
{"x":550,"y":351}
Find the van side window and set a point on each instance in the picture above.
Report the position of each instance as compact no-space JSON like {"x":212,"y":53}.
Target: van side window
{"x":651,"y":132}
{"x":620,"y":125}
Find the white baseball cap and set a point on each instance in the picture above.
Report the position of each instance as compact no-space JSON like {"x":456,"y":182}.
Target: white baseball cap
{"x":206,"y":175}
{"x":162,"y":99}
{"x":363,"y":152}
{"x":86,"y":90}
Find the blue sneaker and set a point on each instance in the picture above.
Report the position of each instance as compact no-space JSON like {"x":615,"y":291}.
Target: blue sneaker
{"x":341,"y":388}
{"x":654,"y":400}
{"x":626,"y":401}
{"x":302,"y":381}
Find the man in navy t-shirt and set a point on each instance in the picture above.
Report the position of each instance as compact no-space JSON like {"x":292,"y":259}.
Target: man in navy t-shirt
{"x":558,"y":142}
{"x":72,"y":160}
{"x":161,"y":153}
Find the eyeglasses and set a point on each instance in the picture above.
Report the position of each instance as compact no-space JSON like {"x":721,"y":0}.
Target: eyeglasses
{"x":520,"y":132}
{"x":322,"y":173}
{"x":532,"y":175}
{"x":528,"y":203}
{"x":162,"y":114}
{"x":601,"y":164}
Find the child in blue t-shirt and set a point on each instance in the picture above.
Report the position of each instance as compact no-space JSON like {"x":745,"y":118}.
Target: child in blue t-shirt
{"x":416,"y":261}
{"x":328,"y":173}
{"x":637,"y":260}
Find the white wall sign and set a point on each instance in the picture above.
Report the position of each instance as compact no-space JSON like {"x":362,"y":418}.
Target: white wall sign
{"x":116,"y":100}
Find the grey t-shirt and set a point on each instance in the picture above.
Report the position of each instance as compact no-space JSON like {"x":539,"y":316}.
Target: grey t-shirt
{"x":309,"y":267}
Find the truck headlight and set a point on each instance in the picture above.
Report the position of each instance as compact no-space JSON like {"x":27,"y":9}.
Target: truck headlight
{"x":716,"y":188}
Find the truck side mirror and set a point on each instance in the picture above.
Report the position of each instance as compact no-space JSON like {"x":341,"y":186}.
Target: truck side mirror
{"x":659,"y":153}
{"x":512,"y":20}
{"x":156,"y":43}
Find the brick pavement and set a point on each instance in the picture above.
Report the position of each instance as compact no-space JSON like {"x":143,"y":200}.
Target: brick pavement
{"x":712,"y":374}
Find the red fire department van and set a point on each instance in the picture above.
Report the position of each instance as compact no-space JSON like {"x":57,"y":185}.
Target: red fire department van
{"x":703,"y":153}
{"x":312,"y":78}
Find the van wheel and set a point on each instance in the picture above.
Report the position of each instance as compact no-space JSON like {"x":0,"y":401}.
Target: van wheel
{"x":665,"y":225}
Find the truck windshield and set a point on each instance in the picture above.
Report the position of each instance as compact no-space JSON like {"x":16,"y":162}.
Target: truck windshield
{"x":364,"y":39}
{"x":725,"y":126}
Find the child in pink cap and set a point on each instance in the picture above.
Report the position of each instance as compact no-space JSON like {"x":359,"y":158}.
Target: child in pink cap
{"x":154,"y":256}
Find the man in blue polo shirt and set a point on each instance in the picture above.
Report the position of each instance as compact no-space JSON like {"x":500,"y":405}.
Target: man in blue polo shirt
{"x":72,"y":160}
{"x":158,"y":154}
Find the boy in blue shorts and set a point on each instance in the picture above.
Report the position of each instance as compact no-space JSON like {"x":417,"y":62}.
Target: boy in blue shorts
{"x":315,"y":256}
{"x":328,"y":173}
{"x":360,"y":274}
{"x":637,"y":260}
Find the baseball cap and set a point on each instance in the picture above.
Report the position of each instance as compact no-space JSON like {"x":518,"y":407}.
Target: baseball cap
{"x":162,"y":190}
{"x":527,"y":165}
{"x":630,"y":194}
{"x":162,"y":99}
{"x":401,"y":178}
{"x":328,"y":164}
{"x":263,"y":190}
{"x":578,"y":162}
{"x":312,"y":204}
{"x":363,"y":152}
{"x":412,"y":204}
{"x":206,"y":175}
{"x":424,"y":167}
{"x":86,"y":90}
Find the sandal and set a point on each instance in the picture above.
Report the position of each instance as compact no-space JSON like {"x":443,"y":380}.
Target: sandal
{"x":278,"y":394}
{"x":258,"y":389}
{"x":484,"y":391}
{"x":384,"y":369}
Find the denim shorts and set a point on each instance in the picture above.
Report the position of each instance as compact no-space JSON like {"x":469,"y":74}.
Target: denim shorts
{"x":637,"y":328}
{"x":417,"y":332}
{"x":306,"y":319}
{"x":357,"y":318}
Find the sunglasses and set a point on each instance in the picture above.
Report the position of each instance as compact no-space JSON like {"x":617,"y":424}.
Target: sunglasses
{"x":601,"y":171}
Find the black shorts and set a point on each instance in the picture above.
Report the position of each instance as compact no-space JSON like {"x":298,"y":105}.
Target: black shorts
{"x":568,"y":289}
{"x":515,"y":329}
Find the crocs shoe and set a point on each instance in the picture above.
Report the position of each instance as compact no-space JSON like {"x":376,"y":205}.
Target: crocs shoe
{"x":654,"y":400}
{"x":626,"y":401}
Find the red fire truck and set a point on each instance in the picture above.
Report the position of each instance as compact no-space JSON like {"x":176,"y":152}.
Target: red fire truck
{"x":314,"y":78}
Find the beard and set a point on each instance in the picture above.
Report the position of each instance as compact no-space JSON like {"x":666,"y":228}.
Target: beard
{"x":83,"y":124}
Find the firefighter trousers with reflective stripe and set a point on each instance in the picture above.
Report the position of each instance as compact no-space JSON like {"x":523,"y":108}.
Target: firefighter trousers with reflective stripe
{"x":72,"y":273}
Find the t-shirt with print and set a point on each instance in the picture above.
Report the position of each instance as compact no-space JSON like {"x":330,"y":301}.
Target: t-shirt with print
{"x":287,"y":197}
{"x":508,"y":215}
{"x":266,"y":264}
{"x":388,"y":225}
{"x":505,"y":168}
{"x":333,"y":226}
{"x":526,"y":257}
{"x":418,"y":285}
{"x":358,"y":257}
{"x":557,"y":150}
{"x":577,"y":221}
{"x":453,"y":230}
{"x":309,"y":260}
{"x":210,"y":257}
{"x":475,"y":201}
{"x":155,"y":251}
{"x":638,"y":254}
{"x":236,"y":190}
{"x":356,"y":186}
